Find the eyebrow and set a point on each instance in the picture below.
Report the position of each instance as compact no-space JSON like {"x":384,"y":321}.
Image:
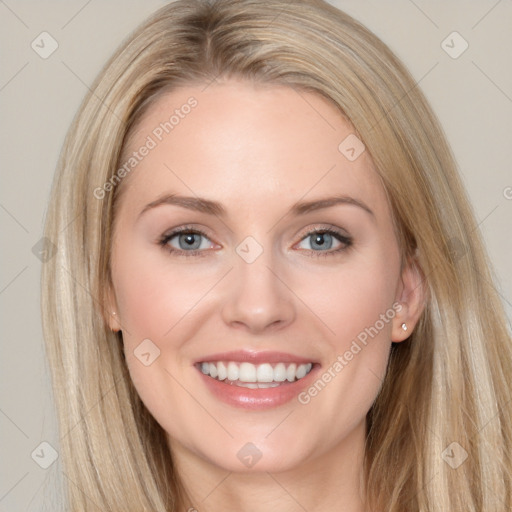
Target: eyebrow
{"x":214,"y":208}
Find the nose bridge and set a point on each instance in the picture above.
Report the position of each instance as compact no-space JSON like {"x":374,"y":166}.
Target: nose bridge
{"x":257,"y":299}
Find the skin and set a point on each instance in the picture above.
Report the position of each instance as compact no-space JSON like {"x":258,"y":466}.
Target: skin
{"x":257,"y":150}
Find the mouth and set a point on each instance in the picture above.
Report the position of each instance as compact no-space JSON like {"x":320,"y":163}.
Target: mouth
{"x":252,"y":376}
{"x":256,"y":380}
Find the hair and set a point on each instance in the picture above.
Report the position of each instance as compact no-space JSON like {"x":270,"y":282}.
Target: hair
{"x":447,"y":383}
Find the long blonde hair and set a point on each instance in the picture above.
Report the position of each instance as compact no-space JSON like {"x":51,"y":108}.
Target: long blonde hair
{"x":449,"y":383}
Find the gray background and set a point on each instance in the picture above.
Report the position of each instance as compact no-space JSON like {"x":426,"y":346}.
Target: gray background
{"x":471,"y":94}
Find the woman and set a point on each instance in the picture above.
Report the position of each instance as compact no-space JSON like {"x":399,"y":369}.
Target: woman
{"x":232,"y":159}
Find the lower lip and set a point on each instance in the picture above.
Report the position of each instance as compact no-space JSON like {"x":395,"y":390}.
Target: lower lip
{"x":257,"y":399}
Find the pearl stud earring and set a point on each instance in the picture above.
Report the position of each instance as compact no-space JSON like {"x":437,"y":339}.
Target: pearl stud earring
{"x":404,"y":327}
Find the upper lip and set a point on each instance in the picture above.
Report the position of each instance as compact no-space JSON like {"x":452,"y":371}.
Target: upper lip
{"x":255,"y":357}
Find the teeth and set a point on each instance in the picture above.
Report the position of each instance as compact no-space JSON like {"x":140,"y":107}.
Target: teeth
{"x":233,"y":371}
{"x":280,"y":372}
{"x":256,"y":385}
{"x":265,"y":373}
{"x":301,"y":371}
{"x":247,"y":372}
{"x":256,"y":376}
{"x":222,"y":373}
{"x":291,"y":372}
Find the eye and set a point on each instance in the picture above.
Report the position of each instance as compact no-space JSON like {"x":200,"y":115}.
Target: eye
{"x":186,"y":241}
{"x":322,"y":241}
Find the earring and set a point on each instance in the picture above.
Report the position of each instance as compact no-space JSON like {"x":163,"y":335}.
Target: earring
{"x":404,"y":326}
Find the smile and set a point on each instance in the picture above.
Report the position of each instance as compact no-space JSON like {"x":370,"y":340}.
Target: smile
{"x":260,"y":376}
{"x":256,"y":380}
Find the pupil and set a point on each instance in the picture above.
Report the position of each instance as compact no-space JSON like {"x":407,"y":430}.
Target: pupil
{"x":189,"y":240}
{"x":320,"y":240}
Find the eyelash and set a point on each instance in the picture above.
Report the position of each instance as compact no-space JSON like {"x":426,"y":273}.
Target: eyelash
{"x":166,"y":238}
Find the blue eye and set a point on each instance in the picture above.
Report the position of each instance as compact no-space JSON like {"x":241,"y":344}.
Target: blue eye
{"x":188,"y":240}
{"x":321,"y":242}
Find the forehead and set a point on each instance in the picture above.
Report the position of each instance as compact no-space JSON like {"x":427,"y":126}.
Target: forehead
{"x":257,"y":144}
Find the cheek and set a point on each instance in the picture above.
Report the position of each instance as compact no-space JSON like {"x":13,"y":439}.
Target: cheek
{"x":155,"y":301}
{"x":355,"y":298}
{"x":152,"y":295}
{"x":163,"y":303}
{"x":357,"y":306}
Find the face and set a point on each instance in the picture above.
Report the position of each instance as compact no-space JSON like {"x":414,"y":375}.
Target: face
{"x":256,"y":275}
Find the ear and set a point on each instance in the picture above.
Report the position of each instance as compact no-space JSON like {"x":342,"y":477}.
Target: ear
{"x":411,"y":295}
{"x":110,"y":310}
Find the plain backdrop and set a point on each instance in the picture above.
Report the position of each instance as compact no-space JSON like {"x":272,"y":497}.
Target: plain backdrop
{"x":471,"y":94}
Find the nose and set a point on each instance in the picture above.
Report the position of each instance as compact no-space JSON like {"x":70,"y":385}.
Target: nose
{"x":257,"y":298}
